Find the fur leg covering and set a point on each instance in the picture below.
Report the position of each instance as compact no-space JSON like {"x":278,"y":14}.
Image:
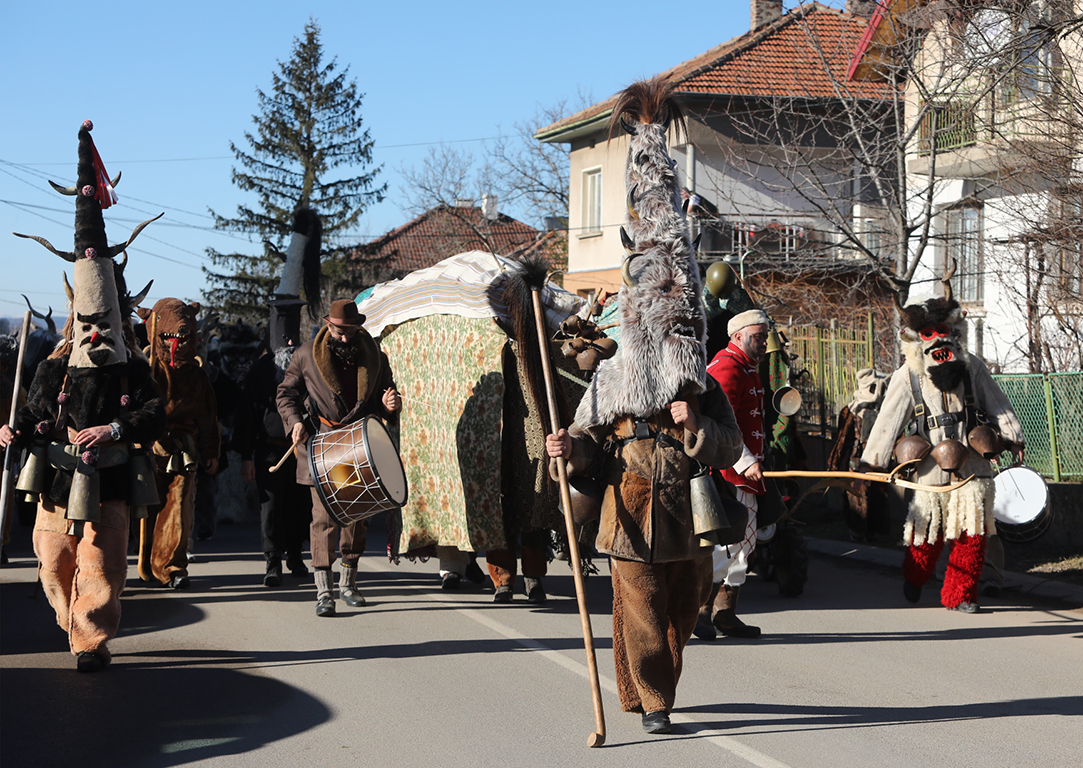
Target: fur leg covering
{"x":83,"y":577}
{"x":920,"y":561}
{"x":964,"y":569}
{"x":655,"y":607}
{"x":173,"y":525}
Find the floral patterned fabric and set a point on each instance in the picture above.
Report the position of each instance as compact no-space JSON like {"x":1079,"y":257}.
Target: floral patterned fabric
{"x":448,"y":369}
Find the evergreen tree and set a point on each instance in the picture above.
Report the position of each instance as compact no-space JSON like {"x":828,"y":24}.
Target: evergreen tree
{"x":309,"y":125}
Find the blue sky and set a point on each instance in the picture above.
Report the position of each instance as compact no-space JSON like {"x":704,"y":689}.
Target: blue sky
{"x":169,"y":85}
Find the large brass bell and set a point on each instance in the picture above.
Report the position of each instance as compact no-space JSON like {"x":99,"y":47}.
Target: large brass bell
{"x":707,"y":511}
{"x":585,"y":495}
{"x":720,"y":279}
{"x":774,"y":343}
{"x":786,"y":400}
{"x":34,"y":471}
{"x":985,"y":441}
{"x":84,"y":499}
{"x":949,"y":455}
{"x":143,"y":490}
{"x":910,"y":448}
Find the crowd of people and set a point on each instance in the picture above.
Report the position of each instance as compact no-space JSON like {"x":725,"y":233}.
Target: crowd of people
{"x":122,"y":427}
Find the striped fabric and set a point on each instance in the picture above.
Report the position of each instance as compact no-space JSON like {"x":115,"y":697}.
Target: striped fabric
{"x":464,"y":285}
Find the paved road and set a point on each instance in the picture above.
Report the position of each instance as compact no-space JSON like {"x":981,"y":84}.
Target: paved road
{"x":233,"y":674}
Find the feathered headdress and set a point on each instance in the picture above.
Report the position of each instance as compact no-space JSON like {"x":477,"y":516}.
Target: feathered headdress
{"x":662,"y":356}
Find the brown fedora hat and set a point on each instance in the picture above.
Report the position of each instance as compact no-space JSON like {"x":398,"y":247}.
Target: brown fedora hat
{"x":344,"y":312}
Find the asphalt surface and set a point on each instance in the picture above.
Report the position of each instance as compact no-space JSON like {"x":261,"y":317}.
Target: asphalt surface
{"x":229,"y":673}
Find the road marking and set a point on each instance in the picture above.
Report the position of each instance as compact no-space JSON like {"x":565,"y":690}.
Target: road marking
{"x":727,"y":743}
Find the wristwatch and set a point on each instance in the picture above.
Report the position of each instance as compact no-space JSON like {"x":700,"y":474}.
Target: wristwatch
{"x":114,"y":431}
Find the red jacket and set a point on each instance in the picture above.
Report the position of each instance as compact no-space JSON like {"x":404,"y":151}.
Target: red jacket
{"x":737,"y":376}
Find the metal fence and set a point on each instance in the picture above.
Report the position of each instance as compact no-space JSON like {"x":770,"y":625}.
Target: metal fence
{"x":1050,"y":406}
{"x":1051,"y":409}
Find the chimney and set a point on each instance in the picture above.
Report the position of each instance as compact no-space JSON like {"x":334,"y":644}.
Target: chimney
{"x":764,"y":12}
{"x":864,"y":8}
{"x":488,"y":207}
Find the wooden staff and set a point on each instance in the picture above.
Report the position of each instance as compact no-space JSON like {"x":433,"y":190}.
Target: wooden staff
{"x":597,"y":738}
{"x":9,"y":452}
{"x":146,"y":535}
{"x":877,"y":477}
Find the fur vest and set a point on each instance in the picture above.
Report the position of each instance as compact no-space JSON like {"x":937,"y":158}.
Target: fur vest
{"x":94,"y":399}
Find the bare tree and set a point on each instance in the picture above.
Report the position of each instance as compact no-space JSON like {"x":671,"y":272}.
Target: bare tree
{"x":893,"y":165}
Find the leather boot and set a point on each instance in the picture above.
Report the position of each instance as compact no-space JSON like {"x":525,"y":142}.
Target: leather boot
{"x":347,"y":586}
{"x":704,"y":629}
{"x":273,"y":577}
{"x":725,"y":616}
{"x":325,"y":597}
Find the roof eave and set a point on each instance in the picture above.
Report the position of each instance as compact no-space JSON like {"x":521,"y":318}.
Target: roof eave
{"x":576,"y":130}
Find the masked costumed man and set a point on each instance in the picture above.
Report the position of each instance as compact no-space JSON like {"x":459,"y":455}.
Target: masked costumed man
{"x":338,"y":378}
{"x":653,"y":413}
{"x":944,"y":397}
{"x":285,"y":506}
{"x":89,"y":402}
{"x":192,"y":438}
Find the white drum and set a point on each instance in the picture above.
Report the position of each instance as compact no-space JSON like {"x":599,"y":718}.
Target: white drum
{"x":1021,"y":504}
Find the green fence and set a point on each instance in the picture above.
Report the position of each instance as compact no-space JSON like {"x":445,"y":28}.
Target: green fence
{"x":1051,"y":409}
{"x":1050,"y":406}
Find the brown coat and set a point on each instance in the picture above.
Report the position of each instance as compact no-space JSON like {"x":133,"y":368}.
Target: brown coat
{"x":311,"y":381}
{"x":646,"y":510}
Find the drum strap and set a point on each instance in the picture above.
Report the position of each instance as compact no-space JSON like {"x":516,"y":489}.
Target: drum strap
{"x":970,"y":415}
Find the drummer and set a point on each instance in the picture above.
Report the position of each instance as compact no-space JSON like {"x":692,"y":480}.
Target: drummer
{"x":341,"y":376}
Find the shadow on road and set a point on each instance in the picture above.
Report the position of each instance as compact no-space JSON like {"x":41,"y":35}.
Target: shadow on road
{"x":751,"y":718}
{"x":142,"y":715}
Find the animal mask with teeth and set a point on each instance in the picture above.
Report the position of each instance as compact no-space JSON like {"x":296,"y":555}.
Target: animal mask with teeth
{"x":934,"y":338}
{"x":176,"y":336}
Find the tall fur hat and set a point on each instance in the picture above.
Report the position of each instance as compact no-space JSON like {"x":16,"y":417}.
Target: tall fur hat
{"x":662,"y":356}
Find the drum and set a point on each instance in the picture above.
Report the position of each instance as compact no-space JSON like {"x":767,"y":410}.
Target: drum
{"x":1021,"y":505}
{"x":357,"y":471}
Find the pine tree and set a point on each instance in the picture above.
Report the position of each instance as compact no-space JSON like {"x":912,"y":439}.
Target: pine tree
{"x":309,"y":125}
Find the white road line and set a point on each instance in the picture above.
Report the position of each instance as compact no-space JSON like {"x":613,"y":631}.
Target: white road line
{"x":727,"y":743}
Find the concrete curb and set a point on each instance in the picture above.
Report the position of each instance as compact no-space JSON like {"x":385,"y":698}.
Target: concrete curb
{"x":1028,"y":584}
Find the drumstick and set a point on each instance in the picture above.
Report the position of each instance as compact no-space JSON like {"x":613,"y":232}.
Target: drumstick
{"x":292,"y":450}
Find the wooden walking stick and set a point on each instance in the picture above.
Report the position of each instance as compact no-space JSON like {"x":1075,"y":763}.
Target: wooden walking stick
{"x":9,"y":452}
{"x":597,"y":738}
{"x":146,"y":535}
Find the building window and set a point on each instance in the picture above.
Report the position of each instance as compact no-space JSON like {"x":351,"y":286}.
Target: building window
{"x":1069,"y":257}
{"x":964,"y":246}
{"x":592,"y":202}
{"x":868,"y":230}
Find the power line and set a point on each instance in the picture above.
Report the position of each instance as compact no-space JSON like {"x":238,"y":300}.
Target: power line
{"x":231,"y":157}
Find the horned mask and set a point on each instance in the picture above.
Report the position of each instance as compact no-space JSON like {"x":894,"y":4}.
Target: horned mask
{"x":100,"y":302}
{"x":662,"y":356}
{"x":933,"y":334}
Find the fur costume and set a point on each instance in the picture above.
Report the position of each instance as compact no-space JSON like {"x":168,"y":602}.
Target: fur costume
{"x":624,"y":432}
{"x":928,"y":396}
{"x":93,"y":386}
{"x":192,"y":438}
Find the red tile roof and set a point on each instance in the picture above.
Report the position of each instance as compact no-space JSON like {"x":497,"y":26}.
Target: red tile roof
{"x":803,"y":54}
{"x":441,"y":232}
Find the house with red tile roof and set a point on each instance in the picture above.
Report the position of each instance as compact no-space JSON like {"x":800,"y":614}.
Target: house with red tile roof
{"x":446,"y":230}
{"x":753,"y":104}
